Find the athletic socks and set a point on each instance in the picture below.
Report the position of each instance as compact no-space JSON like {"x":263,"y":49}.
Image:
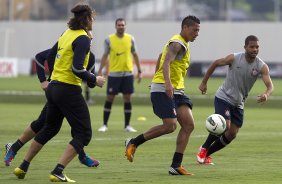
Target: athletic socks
{"x":58,"y":169}
{"x":220,"y":143}
{"x":177,"y":160}
{"x":24,"y":165}
{"x":127,"y":113}
{"x":138,"y":140}
{"x":211,"y":138}
{"x":107,"y":112}
{"x":16,"y":146}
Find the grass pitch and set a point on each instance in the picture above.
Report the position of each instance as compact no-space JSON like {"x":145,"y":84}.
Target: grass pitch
{"x":254,"y":156}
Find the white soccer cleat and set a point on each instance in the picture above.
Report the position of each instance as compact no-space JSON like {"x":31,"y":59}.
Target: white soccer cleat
{"x":129,"y":128}
{"x":103,"y":128}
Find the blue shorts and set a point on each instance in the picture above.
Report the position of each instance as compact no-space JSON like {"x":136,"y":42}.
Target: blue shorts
{"x":165,"y":107}
{"x":229,"y":112}
{"x":122,"y":85}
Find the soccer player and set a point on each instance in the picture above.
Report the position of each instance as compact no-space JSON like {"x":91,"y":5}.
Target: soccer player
{"x":64,"y":93}
{"x":37,"y":125}
{"x":167,"y":95}
{"x":243,"y":70}
{"x":120,"y":47}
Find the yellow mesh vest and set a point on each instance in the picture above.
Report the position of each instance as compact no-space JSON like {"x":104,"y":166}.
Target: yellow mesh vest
{"x":178,"y":68}
{"x":63,"y":64}
{"x":120,"y":53}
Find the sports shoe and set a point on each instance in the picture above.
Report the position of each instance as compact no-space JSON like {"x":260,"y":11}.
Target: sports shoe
{"x":201,"y":155}
{"x":129,"y":128}
{"x":20,"y":174}
{"x":103,"y":128}
{"x":129,"y":150}
{"x":178,"y":171}
{"x":89,"y":162}
{"x":60,"y":178}
{"x":208,"y":161}
{"x":9,"y":155}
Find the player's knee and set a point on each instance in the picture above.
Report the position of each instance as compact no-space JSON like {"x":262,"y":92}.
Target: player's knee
{"x":170,"y":127}
{"x":87,"y":137}
{"x":36,"y":126}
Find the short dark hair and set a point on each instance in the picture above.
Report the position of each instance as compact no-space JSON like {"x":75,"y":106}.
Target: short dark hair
{"x":83,"y":14}
{"x":251,"y":38}
{"x":190,"y":20}
{"x":120,"y":19}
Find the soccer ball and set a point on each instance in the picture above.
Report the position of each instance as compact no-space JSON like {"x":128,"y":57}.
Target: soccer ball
{"x":216,"y":124}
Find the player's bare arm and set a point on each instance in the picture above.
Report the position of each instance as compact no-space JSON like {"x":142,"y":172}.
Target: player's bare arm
{"x":137,"y":62}
{"x":268,"y":83}
{"x":173,"y":49}
{"x":158,"y":62}
{"x":219,"y":62}
{"x":103,"y":63}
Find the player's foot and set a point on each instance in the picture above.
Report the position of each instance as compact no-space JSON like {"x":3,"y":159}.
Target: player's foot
{"x":208,"y":161}
{"x":201,"y":155}
{"x":129,"y":150}
{"x":129,"y":128}
{"x":20,"y":174}
{"x":60,"y":178}
{"x":89,"y":162}
{"x":178,"y":171}
{"x":103,"y":128}
{"x":9,"y":155}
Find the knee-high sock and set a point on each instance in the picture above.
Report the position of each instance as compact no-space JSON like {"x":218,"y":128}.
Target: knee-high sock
{"x":107,"y":112}
{"x":220,"y":143}
{"x":127,"y":113}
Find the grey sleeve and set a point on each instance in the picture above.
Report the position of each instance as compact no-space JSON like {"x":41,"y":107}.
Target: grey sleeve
{"x":107,"y":46}
{"x":133,"y":45}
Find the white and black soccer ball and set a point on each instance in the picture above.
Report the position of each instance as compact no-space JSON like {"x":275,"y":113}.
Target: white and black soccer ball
{"x":216,"y":124}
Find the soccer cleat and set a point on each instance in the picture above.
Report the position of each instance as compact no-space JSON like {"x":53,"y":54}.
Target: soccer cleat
{"x":208,"y":161}
{"x":201,"y":155}
{"x":103,"y":128}
{"x":9,"y":155}
{"x":129,"y":128}
{"x":20,"y":174}
{"x":178,"y":171}
{"x":60,"y":178}
{"x":89,"y":162}
{"x":129,"y":150}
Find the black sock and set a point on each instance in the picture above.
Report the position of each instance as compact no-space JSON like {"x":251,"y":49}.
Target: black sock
{"x":24,"y":165}
{"x":58,"y":169}
{"x":16,"y":146}
{"x":81,"y":155}
{"x":138,"y":140}
{"x":218,"y":145}
{"x":107,"y":112}
{"x":210,"y":139}
{"x":177,"y":160}
{"x":127,"y":113}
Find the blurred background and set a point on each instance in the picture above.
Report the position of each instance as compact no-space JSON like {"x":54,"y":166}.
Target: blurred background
{"x":30,"y":26}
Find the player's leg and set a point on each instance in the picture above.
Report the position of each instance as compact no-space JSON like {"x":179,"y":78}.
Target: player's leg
{"x":27,"y":135}
{"x":127,"y":88}
{"x":222,"y":108}
{"x":112,"y":90}
{"x":186,"y":121}
{"x":164,"y":108}
{"x":77,"y":114}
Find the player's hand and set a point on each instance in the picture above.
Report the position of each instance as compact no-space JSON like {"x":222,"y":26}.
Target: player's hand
{"x":262,"y":98}
{"x":203,"y":88}
{"x":169,"y":90}
{"x":100,"y":81}
{"x":139,"y":77}
{"x":44,"y":85}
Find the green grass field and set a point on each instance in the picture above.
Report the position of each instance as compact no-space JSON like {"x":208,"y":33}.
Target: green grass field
{"x":254,"y":157}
